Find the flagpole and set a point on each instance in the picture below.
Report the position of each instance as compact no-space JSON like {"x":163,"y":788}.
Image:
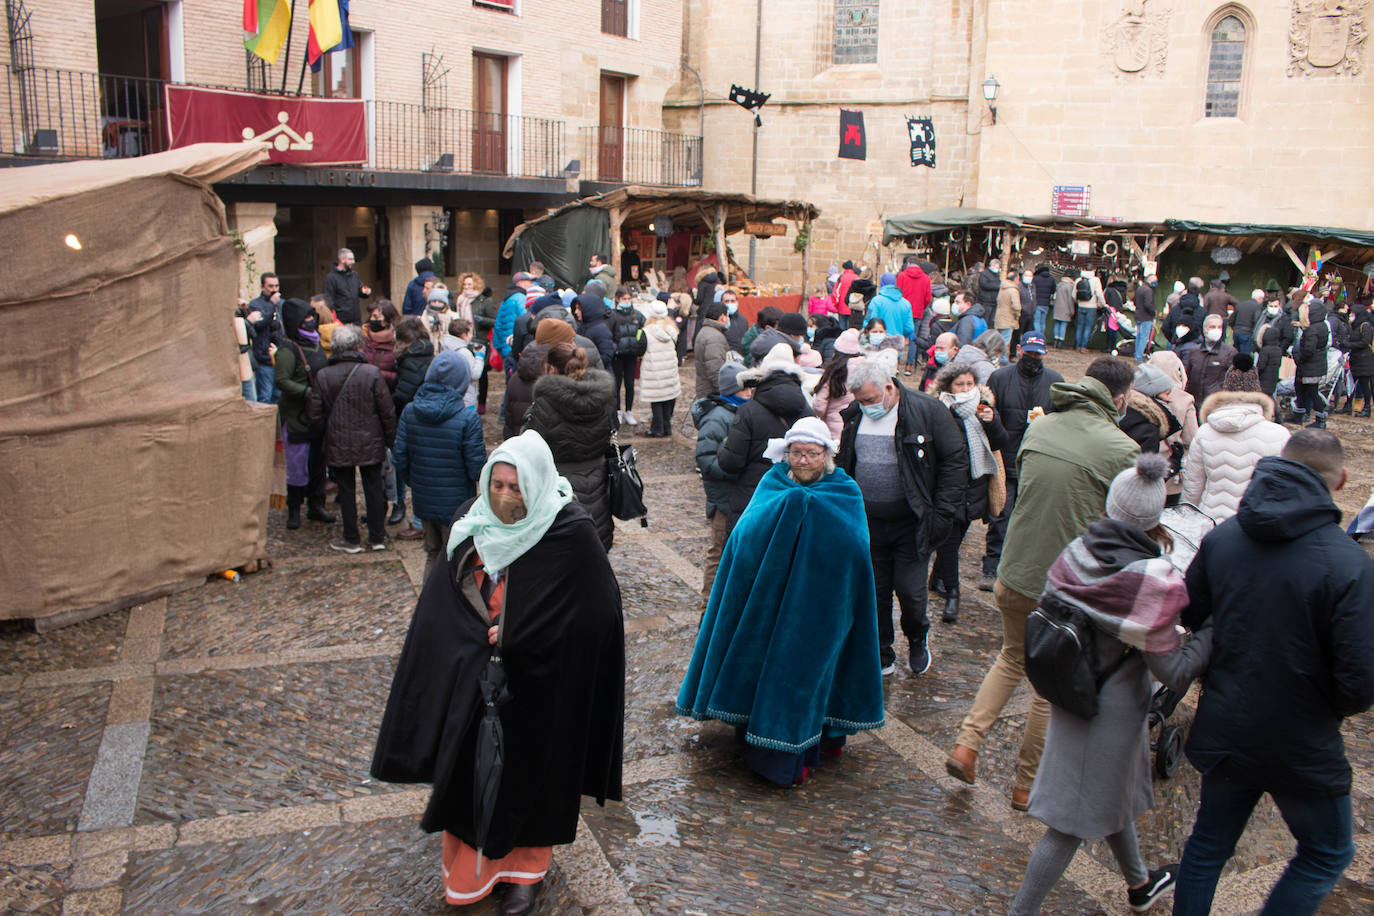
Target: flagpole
{"x":300,"y":84}
{"x":286,"y":63}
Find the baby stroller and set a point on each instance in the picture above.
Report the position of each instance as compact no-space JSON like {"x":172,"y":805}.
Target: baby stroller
{"x":1332,"y":386}
{"x":1187,"y":525}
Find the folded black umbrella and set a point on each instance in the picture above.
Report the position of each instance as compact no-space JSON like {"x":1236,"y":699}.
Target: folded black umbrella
{"x":491,"y":750}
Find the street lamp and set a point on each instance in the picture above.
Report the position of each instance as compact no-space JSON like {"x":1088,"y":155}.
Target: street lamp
{"x":990,"y":87}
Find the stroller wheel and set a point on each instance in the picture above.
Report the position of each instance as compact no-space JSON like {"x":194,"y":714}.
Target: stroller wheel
{"x":1169,"y":751}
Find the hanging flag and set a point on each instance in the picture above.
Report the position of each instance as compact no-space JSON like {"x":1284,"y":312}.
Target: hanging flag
{"x":326,"y":28}
{"x":921,"y":131}
{"x":853,"y":145}
{"x":271,"y":20}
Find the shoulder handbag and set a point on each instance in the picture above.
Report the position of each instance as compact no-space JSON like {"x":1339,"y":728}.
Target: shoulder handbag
{"x":624,"y":488}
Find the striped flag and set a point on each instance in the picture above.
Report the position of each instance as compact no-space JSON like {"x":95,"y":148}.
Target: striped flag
{"x":326,"y":28}
{"x":267,"y":21}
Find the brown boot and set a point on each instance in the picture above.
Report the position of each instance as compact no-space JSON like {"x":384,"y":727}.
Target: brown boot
{"x":1020,"y":799}
{"x":962,"y":763}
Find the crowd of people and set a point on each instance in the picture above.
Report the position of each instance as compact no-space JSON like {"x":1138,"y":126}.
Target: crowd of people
{"x":845,"y":456}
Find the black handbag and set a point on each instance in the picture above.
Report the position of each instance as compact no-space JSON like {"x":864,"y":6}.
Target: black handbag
{"x":624,"y":488}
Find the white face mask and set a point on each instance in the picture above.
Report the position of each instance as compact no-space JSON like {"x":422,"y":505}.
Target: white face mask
{"x":731,"y":307}
{"x":1212,"y":334}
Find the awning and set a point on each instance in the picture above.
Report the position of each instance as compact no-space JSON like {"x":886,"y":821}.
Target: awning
{"x":901,"y":227}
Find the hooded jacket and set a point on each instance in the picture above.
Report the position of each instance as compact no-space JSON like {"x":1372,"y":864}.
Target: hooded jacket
{"x":709,"y":351}
{"x":1288,"y":595}
{"x":605,"y":275}
{"x":534,"y":362}
{"x":1016,"y":395}
{"x":971,"y":323}
{"x":1187,"y":313}
{"x":574,"y":417}
{"x":439,"y":451}
{"x":713,"y":417}
{"x":1361,"y":338}
{"x":778,"y":402}
{"x":894,"y":311}
{"x":1042,"y":282}
{"x":1008,"y":306}
{"x":296,"y":361}
{"x":1067,"y":461}
{"x":658,"y":378}
{"x":915,"y":287}
{"x":1236,"y":432}
{"x":986,"y":289}
{"x":411,"y":367}
{"x":1148,"y":422}
{"x":1064,"y":301}
{"x":594,"y":326}
{"x":413,"y":302}
{"x":360,"y":419}
{"x":1310,"y":351}
{"x":512,"y":307}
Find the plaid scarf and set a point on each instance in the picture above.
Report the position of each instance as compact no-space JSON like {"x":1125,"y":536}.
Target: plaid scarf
{"x":1115,"y":574}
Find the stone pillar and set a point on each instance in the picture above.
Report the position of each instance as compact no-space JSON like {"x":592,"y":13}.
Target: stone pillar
{"x":407,"y":244}
{"x":255,"y":222}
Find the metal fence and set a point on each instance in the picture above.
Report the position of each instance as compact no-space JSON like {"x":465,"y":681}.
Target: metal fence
{"x":636,"y":155}
{"x":413,"y":138}
{"x":65,"y":113}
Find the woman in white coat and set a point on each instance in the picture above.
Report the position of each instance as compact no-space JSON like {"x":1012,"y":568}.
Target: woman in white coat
{"x":659,"y":383}
{"x":1237,"y":431}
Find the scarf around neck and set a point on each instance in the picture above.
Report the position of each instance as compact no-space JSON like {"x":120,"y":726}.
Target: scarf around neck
{"x":462,"y":305}
{"x":545,"y":493}
{"x":965,"y":406}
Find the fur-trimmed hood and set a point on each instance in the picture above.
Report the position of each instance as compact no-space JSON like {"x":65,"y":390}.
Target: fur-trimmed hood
{"x":1151,"y":409}
{"x":1222,"y":400}
{"x":584,"y":397}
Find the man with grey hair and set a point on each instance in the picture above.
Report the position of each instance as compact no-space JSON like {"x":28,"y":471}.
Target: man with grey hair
{"x":1245,"y":320}
{"x":910,"y":461}
{"x":343,"y":288}
{"x":352,"y":402}
{"x":1206,"y":365}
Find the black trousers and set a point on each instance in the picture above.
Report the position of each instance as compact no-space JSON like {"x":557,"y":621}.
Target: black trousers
{"x":997,"y":532}
{"x":314,"y":489}
{"x":623,"y":372}
{"x":1308,"y":397}
{"x":662,"y":422}
{"x":946,"y":564}
{"x":374,"y":498}
{"x":898,"y":566}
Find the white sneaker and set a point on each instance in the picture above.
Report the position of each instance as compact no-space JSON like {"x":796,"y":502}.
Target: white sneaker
{"x":630,"y":419}
{"x":620,"y":416}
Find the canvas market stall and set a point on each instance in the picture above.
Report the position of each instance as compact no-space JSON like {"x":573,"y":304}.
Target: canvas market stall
{"x":684,"y":225}
{"x":132,"y":463}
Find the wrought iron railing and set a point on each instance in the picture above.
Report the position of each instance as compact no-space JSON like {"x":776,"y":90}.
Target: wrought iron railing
{"x":414,"y":138}
{"x":66,"y":113}
{"x":636,"y":155}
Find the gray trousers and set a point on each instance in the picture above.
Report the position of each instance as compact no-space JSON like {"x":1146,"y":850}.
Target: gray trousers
{"x":1052,"y":856}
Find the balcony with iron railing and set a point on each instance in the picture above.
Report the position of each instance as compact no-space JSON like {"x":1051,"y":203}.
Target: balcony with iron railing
{"x":71,"y":114}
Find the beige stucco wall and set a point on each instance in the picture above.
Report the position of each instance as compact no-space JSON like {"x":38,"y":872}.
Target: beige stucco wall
{"x":1300,"y":152}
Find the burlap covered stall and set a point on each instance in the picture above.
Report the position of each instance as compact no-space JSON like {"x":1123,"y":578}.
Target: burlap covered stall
{"x":129,"y":461}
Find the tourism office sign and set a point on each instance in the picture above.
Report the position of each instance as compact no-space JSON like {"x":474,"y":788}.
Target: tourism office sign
{"x":298,"y":131}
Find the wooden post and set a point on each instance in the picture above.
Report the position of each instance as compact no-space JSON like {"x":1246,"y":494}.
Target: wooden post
{"x":722,"y":253}
{"x":1008,"y":239}
{"x":804,"y":226}
{"x":617,"y":217}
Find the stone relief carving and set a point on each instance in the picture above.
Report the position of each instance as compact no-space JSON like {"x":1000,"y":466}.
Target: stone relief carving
{"x":1137,"y":42}
{"x":1327,"y":37}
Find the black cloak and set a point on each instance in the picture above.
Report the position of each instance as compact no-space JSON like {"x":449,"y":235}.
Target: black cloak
{"x":564,"y":651}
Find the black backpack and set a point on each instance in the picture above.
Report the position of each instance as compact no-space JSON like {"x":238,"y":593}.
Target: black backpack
{"x":1061,"y":650}
{"x":1083,"y":290}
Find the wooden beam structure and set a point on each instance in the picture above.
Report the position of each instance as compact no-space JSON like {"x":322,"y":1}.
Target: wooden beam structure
{"x":1298,"y":262}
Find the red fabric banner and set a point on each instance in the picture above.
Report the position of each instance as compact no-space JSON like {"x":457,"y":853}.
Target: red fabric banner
{"x":301,"y":131}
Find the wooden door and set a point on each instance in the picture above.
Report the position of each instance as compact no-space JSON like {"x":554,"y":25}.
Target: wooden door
{"x":489,"y":120}
{"x":610,"y":133}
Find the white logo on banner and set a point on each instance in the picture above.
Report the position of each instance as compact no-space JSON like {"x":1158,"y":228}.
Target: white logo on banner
{"x":282,"y":136}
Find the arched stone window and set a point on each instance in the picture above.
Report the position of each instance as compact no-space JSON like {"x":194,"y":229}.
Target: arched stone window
{"x":1225,"y":65}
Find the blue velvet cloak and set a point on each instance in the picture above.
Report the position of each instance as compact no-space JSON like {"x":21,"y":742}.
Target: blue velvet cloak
{"x":789,"y":643}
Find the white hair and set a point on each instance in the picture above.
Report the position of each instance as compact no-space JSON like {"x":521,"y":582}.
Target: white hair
{"x":347,"y":338}
{"x":1257,"y":294}
{"x":876,"y":368}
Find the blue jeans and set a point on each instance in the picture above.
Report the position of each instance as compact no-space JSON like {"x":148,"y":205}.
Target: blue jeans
{"x":1243,"y":343}
{"x":1060,"y":329}
{"x":1144,"y":331}
{"x":1086,"y":319}
{"x":266,"y":378}
{"x":1322,"y":827}
{"x":1006,"y":335}
{"x":1039,"y":321}
{"x":250,"y":391}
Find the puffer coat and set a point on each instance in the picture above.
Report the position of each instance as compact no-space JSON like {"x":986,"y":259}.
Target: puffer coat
{"x":439,"y":451}
{"x":1361,"y":337}
{"x":411,"y":366}
{"x":658,"y":378}
{"x":360,"y":422}
{"x":520,"y":389}
{"x":1236,"y":432}
{"x":575,"y":416}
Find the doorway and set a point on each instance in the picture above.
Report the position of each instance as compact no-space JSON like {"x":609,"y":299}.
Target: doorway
{"x":490,"y":74}
{"x":133,"y":57}
{"x":610,"y":158}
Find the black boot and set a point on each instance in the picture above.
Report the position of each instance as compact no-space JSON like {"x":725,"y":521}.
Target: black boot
{"x":951,"y":612}
{"x":398,"y":513}
{"x":937,"y":586}
{"x":294,"y":497}
{"x":1364,"y":411}
{"x":1349,"y":408}
{"x":1295,"y":417}
{"x":1317,"y":423}
{"x":315,"y":511}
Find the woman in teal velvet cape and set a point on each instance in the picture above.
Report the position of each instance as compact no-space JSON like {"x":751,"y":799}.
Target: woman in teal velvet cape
{"x":788,"y":648}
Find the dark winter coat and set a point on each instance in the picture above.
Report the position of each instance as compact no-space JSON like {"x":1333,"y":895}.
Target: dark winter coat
{"x":709,"y":351}
{"x":1286,"y":667}
{"x":264,"y":329}
{"x":1206,"y":368}
{"x":734,"y":333}
{"x":439,"y":452}
{"x":563,"y":647}
{"x":932,"y":456}
{"x":713,"y":416}
{"x":1188,"y":312}
{"x":1144,"y":302}
{"x":594,"y":326}
{"x":627,"y":329}
{"x":778,"y":402}
{"x":1269,"y":361}
{"x":1246,"y":316}
{"x":342,"y":289}
{"x":766,"y":340}
{"x":380,"y":351}
{"x":520,"y":389}
{"x":1148,"y":422}
{"x":296,"y":361}
{"x":360,"y":419}
{"x":1340,"y":332}
{"x":1361,"y":336}
{"x":966,"y":327}
{"x":484,"y":312}
{"x":413,"y":302}
{"x":975,"y":504}
{"x":1017,"y":394}
{"x":1044,"y":283}
{"x":411,"y":367}
{"x":1310,"y":353}
{"x":575,"y":417}
{"x":986,"y":291}
{"x":1217,"y":301}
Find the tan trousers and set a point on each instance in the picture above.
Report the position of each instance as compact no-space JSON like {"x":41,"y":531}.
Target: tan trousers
{"x":1007,"y":673}
{"x":720,"y":530}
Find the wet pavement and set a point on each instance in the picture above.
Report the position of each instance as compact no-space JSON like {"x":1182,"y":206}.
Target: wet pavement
{"x":208,"y":753}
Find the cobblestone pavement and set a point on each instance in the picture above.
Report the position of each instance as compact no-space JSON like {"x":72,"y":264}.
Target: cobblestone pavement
{"x":208,"y":753}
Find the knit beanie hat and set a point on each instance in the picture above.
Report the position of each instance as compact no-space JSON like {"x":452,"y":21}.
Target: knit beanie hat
{"x":450,"y":369}
{"x":1151,"y":380}
{"x":792,"y":323}
{"x":1137,"y":494}
{"x":728,"y":377}
{"x":552,"y":332}
{"x":1242,"y":375}
{"x":848,"y":342}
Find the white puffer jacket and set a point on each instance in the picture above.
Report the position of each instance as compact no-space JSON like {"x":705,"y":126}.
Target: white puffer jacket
{"x":658,"y":378}
{"x":1236,"y":432}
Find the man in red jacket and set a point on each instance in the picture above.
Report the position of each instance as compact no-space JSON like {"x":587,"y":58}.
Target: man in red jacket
{"x":914,"y":284}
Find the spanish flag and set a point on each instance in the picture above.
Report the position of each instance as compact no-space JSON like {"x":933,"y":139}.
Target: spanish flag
{"x":268,"y":21}
{"x":326,"y":28}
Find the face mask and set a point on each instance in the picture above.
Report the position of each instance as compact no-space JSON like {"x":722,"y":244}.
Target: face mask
{"x":731,"y":308}
{"x":623,"y":305}
{"x":1272,"y":311}
{"x":1030,"y":365}
{"x":1026,"y":279}
{"x":996,"y":270}
{"x":941,"y":308}
{"x":508,"y":507}
{"x":941,"y":357}
{"x":376,"y":324}
{"x":1212,"y":335}
{"x":810,"y":333}
{"x":311,"y":324}
{"x":875,"y":411}
{"x":952,"y":398}
{"x":876,"y":339}
{"x":311,"y":336}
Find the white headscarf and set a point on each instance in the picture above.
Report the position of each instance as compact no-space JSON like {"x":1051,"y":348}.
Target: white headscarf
{"x":807,"y":429}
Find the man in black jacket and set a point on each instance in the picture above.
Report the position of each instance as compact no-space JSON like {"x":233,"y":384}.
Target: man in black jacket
{"x":1019,"y":389}
{"x":1288,"y":595}
{"x":1183,"y":324}
{"x":910,"y":460}
{"x":1309,"y":352}
{"x":778,"y":402}
{"x":1144,"y":303}
{"x":343,"y":288}
{"x":261,"y":313}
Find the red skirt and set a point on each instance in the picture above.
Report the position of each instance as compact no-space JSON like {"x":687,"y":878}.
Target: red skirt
{"x":462,"y":884}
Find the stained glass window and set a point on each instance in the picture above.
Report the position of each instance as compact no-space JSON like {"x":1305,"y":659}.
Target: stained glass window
{"x":1224,"y":65}
{"x":856,"y":32}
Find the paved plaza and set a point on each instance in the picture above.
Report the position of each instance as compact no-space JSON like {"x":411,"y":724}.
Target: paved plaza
{"x":208,"y":753}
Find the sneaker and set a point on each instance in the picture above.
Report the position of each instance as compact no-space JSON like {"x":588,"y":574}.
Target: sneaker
{"x":920,"y":657}
{"x":630,"y":419}
{"x":376,"y":545}
{"x":346,"y":547}
{"x":889,"y":668}
{"x":1160,"y":880}
{"x":986,"y":581}
{"x":620,"y":416}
